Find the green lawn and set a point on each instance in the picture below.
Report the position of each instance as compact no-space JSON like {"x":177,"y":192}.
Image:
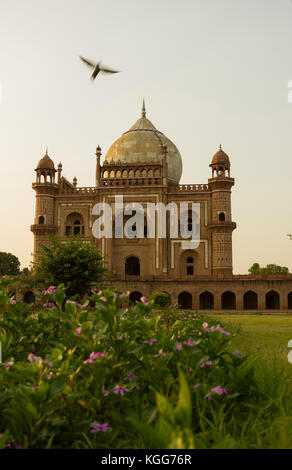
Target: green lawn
{"x":265,"y":335}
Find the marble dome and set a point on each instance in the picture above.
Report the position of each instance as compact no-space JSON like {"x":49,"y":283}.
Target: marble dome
{"x":142,"y":143}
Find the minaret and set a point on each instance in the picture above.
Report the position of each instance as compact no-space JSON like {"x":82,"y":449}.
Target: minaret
{"x":46,"y":189}
{"x":97,"y":171}
{"x":221,"y":225}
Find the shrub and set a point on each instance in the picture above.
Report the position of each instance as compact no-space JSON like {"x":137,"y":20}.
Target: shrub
{"x":122,"y":378}
{"x":160,"y":299}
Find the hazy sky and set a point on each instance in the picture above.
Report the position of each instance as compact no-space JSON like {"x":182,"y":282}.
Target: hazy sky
{"x":211,"y":72}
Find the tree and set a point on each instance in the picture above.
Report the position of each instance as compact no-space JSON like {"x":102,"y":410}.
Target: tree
{"x":76,"y":264}
{"x":269,"y":269}
{"x":9,"y":264}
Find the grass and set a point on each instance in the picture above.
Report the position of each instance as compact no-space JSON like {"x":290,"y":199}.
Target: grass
{"x":266,"y":336}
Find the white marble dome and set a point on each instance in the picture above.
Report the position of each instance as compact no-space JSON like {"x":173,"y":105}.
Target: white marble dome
{"x":143,"y":143}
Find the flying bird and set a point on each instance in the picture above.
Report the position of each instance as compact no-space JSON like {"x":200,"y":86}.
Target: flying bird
{"x":97,"y":68}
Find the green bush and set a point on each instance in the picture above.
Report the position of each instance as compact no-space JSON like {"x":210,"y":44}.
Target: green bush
{"x":125,"y":378}
{"x":160,"y":299}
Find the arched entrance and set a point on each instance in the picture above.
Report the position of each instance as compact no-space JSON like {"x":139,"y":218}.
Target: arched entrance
{"x":272,"y":300}
{"x":29,"y":297}
{"x":134,"y":297}
{"x":228,"y":301}
{"x":132,"y":266}
{"x":250,"y":300}
{"x":290,"y":300}
{"x":185,"y":300}
{"x":206,"y":301}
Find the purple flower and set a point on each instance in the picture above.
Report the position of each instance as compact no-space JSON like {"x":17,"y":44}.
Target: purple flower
{"x":35,"y":387}
{"x":78,"y":331}
{"x":150,"y":341}
{"x":206,"y":363}
{"x":223,"y":332}
{"x":120,"y":390}
{"x":94,"y":356}
{"x":50,"y":290}
{"x":144,"y":301}
{"x":160,"y":353}
{"x":219,"y":390}
{"x":8,"y":364}
{"x":106,"y":393}
{"x":130,"y":377}
{"x":196,"y":385}
{"x":189,"y":342}
{"x":32,"y":358}
{"x":96,"y":427}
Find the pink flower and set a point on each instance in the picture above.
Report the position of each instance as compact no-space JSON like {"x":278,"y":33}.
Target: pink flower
{"x":150,"y":341}
{"x":34,"y":315}
{"x":144,"y":300}
{"x":94,"y":356}
{"x":35,"y":387}
{"x":130,"y":377}
{"x":223,"y":332}
{"x":160,"y":353}
{"x":96,"y":427}
{"x":78,"y":331}
{"x":206,"y":363}
{"x":106,"y":393}
{"x":50,"y":290}
{"x":189,"y":342}
{"x":196,"y":385}
{"x":219,"y":390}
{"x":205,"y":325}
{"x":12,"y":301}
{"x":104,"y":299}
{"x":179,"y":346}
{"x":120,"y":390}
{"x":8,"y":364}
{"x":32,"y":358}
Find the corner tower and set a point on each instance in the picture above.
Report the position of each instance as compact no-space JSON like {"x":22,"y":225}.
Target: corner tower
{"x":221,"y":225}
{"x":46,"y":189}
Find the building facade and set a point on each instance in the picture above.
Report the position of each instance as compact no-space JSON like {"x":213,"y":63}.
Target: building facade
{"x":145,"y":167}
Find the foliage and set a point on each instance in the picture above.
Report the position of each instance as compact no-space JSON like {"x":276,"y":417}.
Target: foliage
{"x":77,"y":264}
{"x":269,"y":269}
{"x":9,"y":264}
{"x":125,"y":378}
{"x":160,"y":299}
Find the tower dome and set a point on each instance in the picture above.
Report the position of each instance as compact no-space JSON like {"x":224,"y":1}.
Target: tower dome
{"x":220,"y":157}
{"x":143,"y":143}
{"x":46,"y":163}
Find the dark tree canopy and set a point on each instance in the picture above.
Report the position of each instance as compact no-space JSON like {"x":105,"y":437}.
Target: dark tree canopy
{"x":9,"y":264}
{"x":76,"y":264}
{"x":269,"y":269}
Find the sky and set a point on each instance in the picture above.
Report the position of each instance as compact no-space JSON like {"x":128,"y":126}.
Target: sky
{"x":211,"y":72}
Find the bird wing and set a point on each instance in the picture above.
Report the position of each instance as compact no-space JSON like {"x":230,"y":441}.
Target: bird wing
{"x":107,"y":70}
{"x":87,"y":62}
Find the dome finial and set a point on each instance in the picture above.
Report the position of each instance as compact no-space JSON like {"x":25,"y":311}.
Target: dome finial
{"x":220,"y":148}
{"x":47,"y":150}
{"x":143,"y":109}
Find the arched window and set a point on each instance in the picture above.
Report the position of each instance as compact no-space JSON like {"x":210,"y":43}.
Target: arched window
{"x":41,"y":219}
{"x":221,"y":216}
{"x":228,"y":301}
{"x":190,"y":266}
{"x":272,"y":300}
{"x":134,"y":297}
{"x":206,"y":301}
{"x":74,"y":224}
{"x":250,"y":300}
{"x":132,"y":266}
{"x":185,"y":300}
